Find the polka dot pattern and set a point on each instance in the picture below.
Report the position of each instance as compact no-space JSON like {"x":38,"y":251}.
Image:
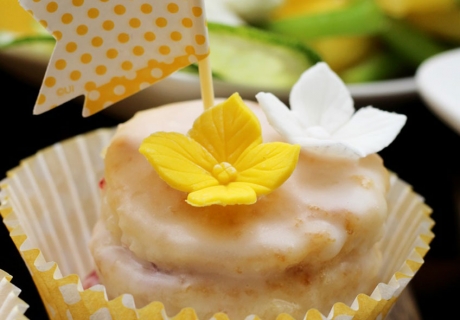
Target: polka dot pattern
{"x":107,"y":50}
{"x":82,"y":30}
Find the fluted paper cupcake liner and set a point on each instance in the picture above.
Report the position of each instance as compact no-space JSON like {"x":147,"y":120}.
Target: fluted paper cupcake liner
{"x":11,"y":306}
{"x":50,"y":203}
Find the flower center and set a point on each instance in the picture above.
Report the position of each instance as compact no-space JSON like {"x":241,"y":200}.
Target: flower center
{"x":224,"y":172}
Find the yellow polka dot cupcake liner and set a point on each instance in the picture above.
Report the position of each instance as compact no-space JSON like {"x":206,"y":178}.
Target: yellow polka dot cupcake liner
{"x":50,"y":203}
{"x":11,"y":306}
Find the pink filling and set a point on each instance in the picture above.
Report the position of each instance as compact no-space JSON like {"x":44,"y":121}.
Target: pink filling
{"x":91,"y":280}
{"x":102,"y":184}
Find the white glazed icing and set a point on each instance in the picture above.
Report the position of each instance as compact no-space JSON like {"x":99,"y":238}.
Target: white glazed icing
{"x":326,"y":218}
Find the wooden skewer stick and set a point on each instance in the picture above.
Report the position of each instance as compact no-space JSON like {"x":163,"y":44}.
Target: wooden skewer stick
{"x":207,"y":89}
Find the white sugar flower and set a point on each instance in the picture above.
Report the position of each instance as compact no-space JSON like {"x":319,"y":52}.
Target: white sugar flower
{"x":322,"y":118}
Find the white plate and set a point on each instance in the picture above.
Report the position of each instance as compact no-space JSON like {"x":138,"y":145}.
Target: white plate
{"x":438,"y":81}
{"x":29,"y":64}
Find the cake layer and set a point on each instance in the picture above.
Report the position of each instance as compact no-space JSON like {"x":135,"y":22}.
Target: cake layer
{"x":293,"y":291}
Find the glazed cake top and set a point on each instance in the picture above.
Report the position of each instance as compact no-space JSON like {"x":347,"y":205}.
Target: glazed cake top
{"x":328,"y":205}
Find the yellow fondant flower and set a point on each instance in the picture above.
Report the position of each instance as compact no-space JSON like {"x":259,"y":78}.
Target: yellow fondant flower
{"x":222,"y":160}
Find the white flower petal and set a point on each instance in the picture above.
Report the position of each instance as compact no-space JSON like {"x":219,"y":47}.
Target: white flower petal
{"x":332,"y":148}
{"x":279,"y":116}
{"x":321,"y":98}
{"x":370,"y":130}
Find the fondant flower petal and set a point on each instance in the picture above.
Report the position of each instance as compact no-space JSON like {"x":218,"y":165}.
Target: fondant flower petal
{"x":231,"y":194}
{"x":279,"y":115}
{"x":321,"y":119}
{"x":181,"y":162}
{"x":223,"y":161}
{"x":370,"y":130}
{"x":320,"y":98}
{"x":227,"y":129}
{"x":332,"y":148}
{"x":267,"y":166}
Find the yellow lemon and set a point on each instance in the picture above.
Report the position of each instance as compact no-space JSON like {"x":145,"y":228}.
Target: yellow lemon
{"x":444,"y":25}
{"x":401,"y":8}
{"x":291,"y":8}
{"x":342,"y":52}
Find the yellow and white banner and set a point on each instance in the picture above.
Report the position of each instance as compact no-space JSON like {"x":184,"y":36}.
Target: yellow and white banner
{"x":109,"y":50}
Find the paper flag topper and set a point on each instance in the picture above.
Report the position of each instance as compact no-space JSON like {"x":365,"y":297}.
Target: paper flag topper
{"x":108,"y":50}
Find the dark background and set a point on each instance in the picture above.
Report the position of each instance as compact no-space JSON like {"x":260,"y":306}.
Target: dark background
{"x":425,"y":154}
